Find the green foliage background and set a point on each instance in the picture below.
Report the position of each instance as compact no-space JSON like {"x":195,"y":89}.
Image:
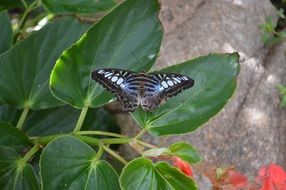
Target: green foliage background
{"x":54,"y":131}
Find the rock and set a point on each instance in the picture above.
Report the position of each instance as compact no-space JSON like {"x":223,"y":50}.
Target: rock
{"x":251,"y":130}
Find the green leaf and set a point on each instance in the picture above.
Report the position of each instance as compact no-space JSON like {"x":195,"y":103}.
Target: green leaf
{"x":9,"y":114}
{"x":58,"y":120}
{"x":129,"y":37}
{"x":185,"y":151}
{"x":142,"y":174}
{"x":280,"y":12}
{"x":50,"y":121}
{"x":5,"y":31}
{"x":63,"y":120}
{"x":15,"y":176}
{"x":100,"y":120}
{"x":68,"y":163}
{"x":281,"y":89}
{"x":215,"y":81}
{"x":78,"y":6}
{"x":283,"y":101}
{"x":174,"y":177}
{"x":13,"y":137}
{"x":27,"y":66}
{"x":4,"y":4}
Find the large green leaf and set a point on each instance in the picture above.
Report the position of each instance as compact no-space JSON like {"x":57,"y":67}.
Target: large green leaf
{"x":68,"y":163}
{"x":215,"y":81}
{"x":5,"y":31}
{"x":4,"y":4}
{"x":25,"y":68}
{"x":51,"y":121}
{"x":142,"y":174}
{"x":13,"y":175}
{"x":13,"y":137}
{"x":58,"y":120}
{"x":129,"y":37}
{"x":9,"y":114}
{"x":63,"y":119}
{"x":78,"y":6}
{"x":100,"y":120}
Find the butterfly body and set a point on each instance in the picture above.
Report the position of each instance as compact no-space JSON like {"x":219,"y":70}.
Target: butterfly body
{"x":140,"y":89}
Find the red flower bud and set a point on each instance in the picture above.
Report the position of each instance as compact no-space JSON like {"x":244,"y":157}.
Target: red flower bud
{"x":183,"y":166}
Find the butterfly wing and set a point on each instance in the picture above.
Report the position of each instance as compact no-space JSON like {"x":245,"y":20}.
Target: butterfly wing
{"x":125,"y":86}
{"x":116,"y":81}
{"x":171,"y":84}
{"x":164,"y":86}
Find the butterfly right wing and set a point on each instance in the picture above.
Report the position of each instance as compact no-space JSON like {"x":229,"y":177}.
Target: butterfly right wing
{"x":172,"y":84}
{"x":115,"y":81}
{"x":162,"y":86}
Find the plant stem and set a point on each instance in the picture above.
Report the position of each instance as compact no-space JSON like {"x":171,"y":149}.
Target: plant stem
{"x":100,"y":133}
{"x":34,"y":21}
{"x":141,"y":133}
{"x":146,"y":144}
{"x":29,"y":154}
{"x":99,"y":152}
{"x":115,"y":155}
{"x":88,"y":140}
{"x":116,"y":140}
{"x":80,"y":119}
{"x":44,"y":140}
{"x":24,"y":17}
{"x":22,"y":118}
{"x":24,"y":3}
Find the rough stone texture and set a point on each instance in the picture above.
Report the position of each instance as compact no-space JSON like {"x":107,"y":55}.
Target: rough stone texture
{"x":250,"y":131}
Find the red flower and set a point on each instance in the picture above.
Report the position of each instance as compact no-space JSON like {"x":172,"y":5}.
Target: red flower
{"x":272,"y":177}
{"x":183,"y":166}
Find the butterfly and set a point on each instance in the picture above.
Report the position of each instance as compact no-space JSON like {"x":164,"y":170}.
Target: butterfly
{"x":141,"y":89}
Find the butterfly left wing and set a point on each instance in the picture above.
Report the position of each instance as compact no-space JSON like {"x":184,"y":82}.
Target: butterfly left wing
{"x":115,"y":81}
{"x":165,"y":85}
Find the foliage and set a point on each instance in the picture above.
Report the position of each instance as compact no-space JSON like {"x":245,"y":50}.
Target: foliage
{"x":270,"y":34}
{"x":6,"y":31}
{"x":273,"y":33}
{"x":78,"y":6}
{"x":45,"y":85}
{"x":282,"y":91}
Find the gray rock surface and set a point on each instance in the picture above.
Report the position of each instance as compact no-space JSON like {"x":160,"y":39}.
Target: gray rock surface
{"x":251,"y":130}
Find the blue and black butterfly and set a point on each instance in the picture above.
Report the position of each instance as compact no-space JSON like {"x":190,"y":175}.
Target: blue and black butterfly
{"x":147,"y":90}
